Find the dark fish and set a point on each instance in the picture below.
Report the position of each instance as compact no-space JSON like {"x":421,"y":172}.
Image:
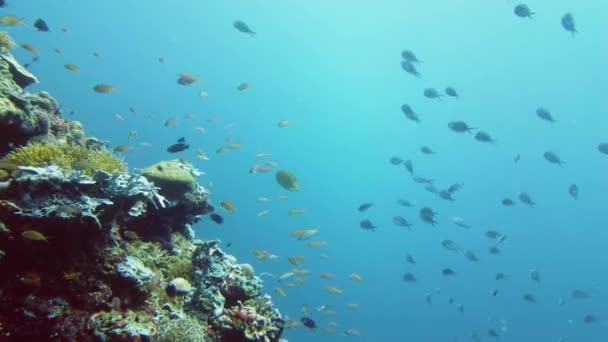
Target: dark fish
{"x":2,"y":3}
{"x":493,"y":250}
{"x":426,"y":150}
{"x":455,"y":187}
{"x":526,"y":199}
{"x":410,"y":259}
{"x":409,"y":277}
{"x":484,"y":137}
{"x":404,"y":203}
{"x":217,"y":218}
{"x":242,"y":27}
{"x":367,"y":225}
{"x":446,"y":195}
{"x":568,"y":23}
{"x":409,"y":113}
{"x":523,"y":11}
{"x":181,"y":140}
{"x":494,"y":292}
{"x":535,"y":275}
{"x":493,"y":333}
{"x":408,"y":67}
{"x":449,"y":91}
{"x":553,"y":158}
{"x":177,"y":147}
{"x":363,"y":207}
{"x":308,"y":322}
{"x":409,"y":166}
{"x":507,"y":202}
{"x":471,"y":256}
{"x":450,"y":245}
{"x":581,"y":294}
{"x":589,"y":319}
{"x":432,"y":93}
{"x":545,"y":114}
{"x":603,"y":148}
{"x":573,"y":191}
{"x":428,"y":216}
{"x":448,"y":272}
{"x":401,"y":222}
{"x":460,"y":127}
{"x":517,"y":158}
{"x":396,"y":161}
{"x":501,"y":276}
{"x":422,"y":180}
{"x":529,"y":298}
{"x":41,"y":25}
{"x":410,"y":56}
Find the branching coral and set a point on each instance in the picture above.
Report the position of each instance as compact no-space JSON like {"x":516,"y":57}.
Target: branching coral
{"x":184,"y":329}
{"x":67,"y":157}
{"x":6,"y":43}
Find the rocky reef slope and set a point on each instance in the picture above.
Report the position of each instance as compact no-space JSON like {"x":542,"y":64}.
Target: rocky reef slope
{"x":90,"y":251}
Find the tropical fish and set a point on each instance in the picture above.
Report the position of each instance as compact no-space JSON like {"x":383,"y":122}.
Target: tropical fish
{"x":41,"y":25}
{"x":34,"y":235}
{"x":72,"y":67}
{"x":228,"y":206}
{"x":103,"y":88}
{"x":185,"y":79}
{"x":287,"y":180}
{"x":241,"y":26}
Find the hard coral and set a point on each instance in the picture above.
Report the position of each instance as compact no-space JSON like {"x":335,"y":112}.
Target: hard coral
{"x":184,"y":329}
{"x":6,"y":43}
{"x":67,"y":157}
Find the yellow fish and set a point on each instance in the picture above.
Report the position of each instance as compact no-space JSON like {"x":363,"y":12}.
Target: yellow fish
{"x":34,"y":235}
{"x":228,"y":206}
{"x":326,"y":275}
{"x":280,"y":291}
{"x":72,"y":67}
{"x":333,"y":289}
{"x":103,"y":88}
{"x":10,"y":20}
{"x":287,"y":180}
{"x":317,"y":244}
{"x":296,"y":211}
{"x":30,"y":48}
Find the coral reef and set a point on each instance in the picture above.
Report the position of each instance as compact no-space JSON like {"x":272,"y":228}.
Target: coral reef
{"x":90,"y":251}
{"x":68,"y":157}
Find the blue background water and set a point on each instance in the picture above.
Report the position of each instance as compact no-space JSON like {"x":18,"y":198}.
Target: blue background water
{"x":332,"y":69}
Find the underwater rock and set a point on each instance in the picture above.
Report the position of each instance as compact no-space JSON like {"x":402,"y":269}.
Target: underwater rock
{"x":20,"y":74}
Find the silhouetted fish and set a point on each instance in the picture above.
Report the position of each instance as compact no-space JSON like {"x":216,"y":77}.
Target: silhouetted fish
{"x":217,"y":218}
{"x":41,"y":25}
{"x":242,"y":27}
{"x":363,"y":207}
{"x":308,"y":322}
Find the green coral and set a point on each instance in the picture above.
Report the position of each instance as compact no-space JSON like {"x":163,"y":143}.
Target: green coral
{"x":171,"y":173}
{"x":67,"y":157}
{"x":184,"y":329}
{"x":6,"y":43}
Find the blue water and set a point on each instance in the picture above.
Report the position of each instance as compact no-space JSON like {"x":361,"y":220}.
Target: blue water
{"x":332,"y":68}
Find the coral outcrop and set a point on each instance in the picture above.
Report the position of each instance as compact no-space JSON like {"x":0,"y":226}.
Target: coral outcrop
{"x":90,"y":251}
